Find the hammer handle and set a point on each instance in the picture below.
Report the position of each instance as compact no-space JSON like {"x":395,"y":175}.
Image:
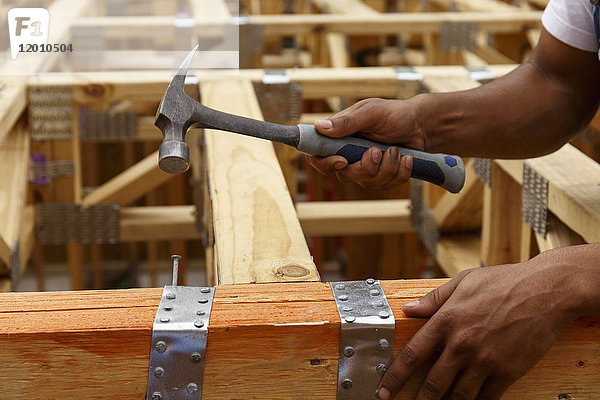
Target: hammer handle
{"x":443,"y":170}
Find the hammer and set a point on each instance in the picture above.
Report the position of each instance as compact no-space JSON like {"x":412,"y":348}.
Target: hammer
{"x":178,"y":112}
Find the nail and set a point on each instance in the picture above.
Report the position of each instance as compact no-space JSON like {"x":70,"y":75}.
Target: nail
{"x":395,"y":154}
{"x":376,"y":156}
{"x":325,"y":123}
{"x":409,"y":162}
{"x":339,"y":165}
{"x":382,"y":394}
{"x":410,"y":304}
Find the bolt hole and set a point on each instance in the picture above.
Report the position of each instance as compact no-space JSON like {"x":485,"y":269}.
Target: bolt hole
{"x":564,"y":396}
{"x":315,"y":361}
{"x":581,"y":363}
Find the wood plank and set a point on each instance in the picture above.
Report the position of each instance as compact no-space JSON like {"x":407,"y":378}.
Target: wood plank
{"x":257,"y":234}
{"x":342,"y":218}
{"x":456,"y":253}
{"x":261,"y":342}
{"x":356,"y":7}
{"x":130,"y":184}
{"x":14,"y":162}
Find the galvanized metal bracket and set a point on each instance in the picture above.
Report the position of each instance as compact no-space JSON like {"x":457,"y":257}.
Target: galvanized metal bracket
{"x":179,"y":343}
{"x":59,"y":223}
{"x":483,"y":170}
{"x":534,"y":210}
{"x":114,"y":124}
{"x":42,"y":171}
{"x":15,"y":265}
{"x":179,"y":336}
{"x":50,"y":112}
{"x":458,"y":35}
{"x":280,"y":99}
{"x":366,"y":338}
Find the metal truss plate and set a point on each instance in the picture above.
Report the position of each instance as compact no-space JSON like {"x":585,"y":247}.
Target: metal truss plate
{"x":535,"y":200}
{"x":423,"y":218}
{"x":108,"y":125}
{"x":50,"y":112}
{"x":366,"y":338}
{"x":280,"y":100}
{"x":483,"y":169}
{"x":59,"y":223}
{"x":416,"y":201}
{"x":15,"y":265}
{"x":178,"y":349}
{"x":42,"y":171}
{"x":458,"y":35}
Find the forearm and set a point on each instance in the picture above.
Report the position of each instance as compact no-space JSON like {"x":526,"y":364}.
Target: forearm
{"x":532,"y":111}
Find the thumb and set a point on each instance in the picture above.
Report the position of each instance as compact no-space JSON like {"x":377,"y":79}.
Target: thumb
{"x":363,"y":116}
{"x":337,"y":126}
{"x":432,"y":301}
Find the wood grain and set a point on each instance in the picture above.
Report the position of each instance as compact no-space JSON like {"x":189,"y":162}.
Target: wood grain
{"x":257,"y":236}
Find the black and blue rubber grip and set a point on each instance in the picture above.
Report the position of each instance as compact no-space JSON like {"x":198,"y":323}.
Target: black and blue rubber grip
{"x":443,"y":170}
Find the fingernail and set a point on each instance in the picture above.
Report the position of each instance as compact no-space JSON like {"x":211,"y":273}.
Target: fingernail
{"x":411,"y":304}
{"x":395,"y":153}
{"x":325,"y":123}
{"x":409,"y":162}
{"x":376,"y":156}
{"x":382,"y":394}
{"x":339,"y":165}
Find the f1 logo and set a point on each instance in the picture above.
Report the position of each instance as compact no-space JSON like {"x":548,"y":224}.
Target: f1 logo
{"x":27,"y":26}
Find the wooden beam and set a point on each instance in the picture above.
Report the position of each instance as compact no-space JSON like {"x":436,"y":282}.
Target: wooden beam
{"x":356,"y":7}
{"x":266,"y":341}
{"x":257,"y":234}
{"x":342,"y":218}
{"x":14,"y":164}
{"x":302,"y":24}
{"x":141,"y":224}
{"x":130,"y":184}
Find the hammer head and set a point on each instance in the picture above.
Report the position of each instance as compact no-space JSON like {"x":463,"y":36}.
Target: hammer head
{"x":173,"y":118}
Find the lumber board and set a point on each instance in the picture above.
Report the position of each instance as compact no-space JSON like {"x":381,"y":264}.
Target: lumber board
{"x":14,"y":162}
{"x":130,"y":184}
{"x":475,"y":5}
{"x":317,"y":83}
{"x":456,"y":253}
{"x":302,"y":24}
{"x":140,"y":224}
{"x":342,"y":218}
{"x":356,"y":7}
{"x":257,"y":235}
{"x":261,"y":341}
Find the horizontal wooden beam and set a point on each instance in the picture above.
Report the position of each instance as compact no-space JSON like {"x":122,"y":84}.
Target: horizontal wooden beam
{"x":342,"y":218}
{"x":130,"y":184}
{"x":299,"y":24}
{"x":317,"y":83}
{"x":264,"y":341}
{"x":141,"y":224}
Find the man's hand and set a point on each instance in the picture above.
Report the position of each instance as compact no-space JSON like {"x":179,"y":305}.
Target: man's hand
{"x":384,"y":121}
{"x":491,"y":325}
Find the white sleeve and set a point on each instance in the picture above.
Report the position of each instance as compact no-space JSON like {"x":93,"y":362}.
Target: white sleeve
{"x":571,"y":22}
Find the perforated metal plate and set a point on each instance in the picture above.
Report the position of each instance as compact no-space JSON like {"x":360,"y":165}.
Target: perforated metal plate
{"x":535,"y":200}
{"x":366,"y":338}
{"x":178,"y":347}
{"x":483,"y":169}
